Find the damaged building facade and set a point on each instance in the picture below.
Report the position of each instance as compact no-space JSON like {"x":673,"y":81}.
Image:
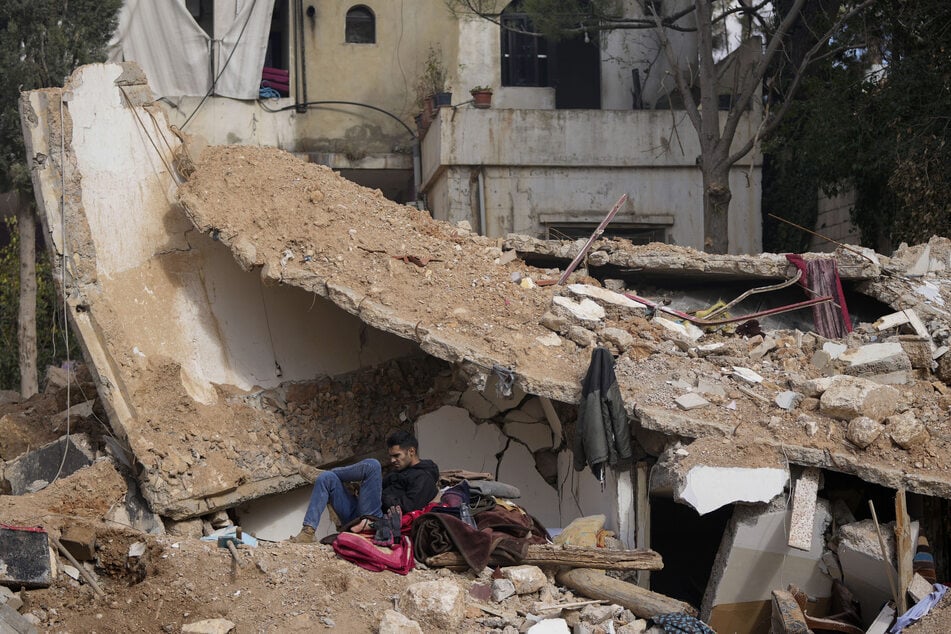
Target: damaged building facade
{"x":244,"y":312}
{"x":573,"y":124}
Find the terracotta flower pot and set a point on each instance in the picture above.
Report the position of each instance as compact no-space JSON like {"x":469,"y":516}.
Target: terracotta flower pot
{"x":481,"y":98}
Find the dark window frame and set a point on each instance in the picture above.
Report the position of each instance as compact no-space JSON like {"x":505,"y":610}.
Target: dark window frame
{"x":360,"y":25}
{"x":525,"y":58}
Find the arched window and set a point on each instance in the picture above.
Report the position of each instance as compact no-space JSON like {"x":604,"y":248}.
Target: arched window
{"x":524,"y":56}
{"x":361,"y":25}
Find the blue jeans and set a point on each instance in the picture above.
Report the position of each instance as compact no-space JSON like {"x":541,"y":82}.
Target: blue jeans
{"x":329,"y":488}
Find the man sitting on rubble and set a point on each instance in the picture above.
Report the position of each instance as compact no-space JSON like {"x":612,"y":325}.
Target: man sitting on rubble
{"x":411,"y":486}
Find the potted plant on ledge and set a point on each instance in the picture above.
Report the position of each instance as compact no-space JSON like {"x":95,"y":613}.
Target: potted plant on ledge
{"x":481,"y":97}
{"x":434,"y":77}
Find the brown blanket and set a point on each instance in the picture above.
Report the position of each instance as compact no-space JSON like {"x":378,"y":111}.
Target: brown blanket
{"x":503,"y":537}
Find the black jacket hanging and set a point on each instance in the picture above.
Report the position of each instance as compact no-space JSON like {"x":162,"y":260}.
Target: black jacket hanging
{"x":602,"y":432}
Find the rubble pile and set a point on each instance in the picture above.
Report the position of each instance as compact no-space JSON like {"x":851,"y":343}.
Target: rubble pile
{"x":308,"y":317}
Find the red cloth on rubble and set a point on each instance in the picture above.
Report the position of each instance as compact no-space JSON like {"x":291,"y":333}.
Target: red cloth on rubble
{"x":821,"y":277}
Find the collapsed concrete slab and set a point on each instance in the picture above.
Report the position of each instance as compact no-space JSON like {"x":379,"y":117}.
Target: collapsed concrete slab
{"x":706,"y":487}
{"x":754,"y":560}
{"x":36,"y":469}
{"x":297,"y":279}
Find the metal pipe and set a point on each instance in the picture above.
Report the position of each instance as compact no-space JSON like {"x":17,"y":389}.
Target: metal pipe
{"x":417,"y":171}
{"x":481,"y":185}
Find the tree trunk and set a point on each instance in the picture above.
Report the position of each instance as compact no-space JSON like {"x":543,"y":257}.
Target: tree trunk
{"x":574,"y":556}
{"x":716,"y":209}
{"x":26,"y":321}
{"x":645,"y":604}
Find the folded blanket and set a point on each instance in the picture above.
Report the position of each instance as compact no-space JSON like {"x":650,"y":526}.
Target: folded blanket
{"x":502,"y":538}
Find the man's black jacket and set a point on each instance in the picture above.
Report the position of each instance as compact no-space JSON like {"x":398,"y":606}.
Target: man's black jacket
{"x":412,"y":488}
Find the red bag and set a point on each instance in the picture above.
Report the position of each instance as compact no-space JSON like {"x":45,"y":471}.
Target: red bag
{"x":358,"y":549}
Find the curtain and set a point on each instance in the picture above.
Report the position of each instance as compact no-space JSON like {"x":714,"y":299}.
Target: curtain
{"x":176,"y":54}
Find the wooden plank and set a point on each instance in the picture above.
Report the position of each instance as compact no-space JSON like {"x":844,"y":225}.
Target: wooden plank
{"x":642,"y":518}
{"x":904,"y":551}
{"x":573,"y":556}
{"x":643,"y":603}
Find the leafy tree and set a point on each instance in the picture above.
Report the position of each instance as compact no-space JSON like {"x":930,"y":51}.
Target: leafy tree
{"x":41,"y":42}
{"x":779,"y":25}
{"x":877,"y":120}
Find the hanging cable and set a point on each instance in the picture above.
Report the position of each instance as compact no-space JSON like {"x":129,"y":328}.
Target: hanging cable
{"x":214,"y":82}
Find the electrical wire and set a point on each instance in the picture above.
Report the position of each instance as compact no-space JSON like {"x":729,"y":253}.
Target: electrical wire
{"x":214,"y":82}
{"x":62,"y":221}
{"x":331,"y":102}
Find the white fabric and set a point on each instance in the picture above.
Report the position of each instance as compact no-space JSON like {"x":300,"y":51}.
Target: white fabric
{"x":175,"y":53}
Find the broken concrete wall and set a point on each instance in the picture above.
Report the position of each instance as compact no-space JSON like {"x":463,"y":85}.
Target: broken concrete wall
{"x":754,"y":559}
{"x":164,"y":314}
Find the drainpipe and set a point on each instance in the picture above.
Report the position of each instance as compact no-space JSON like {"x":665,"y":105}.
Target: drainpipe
{"x":301,"y":92}
{"x":481,"y":185}
{"x":417,"y":171}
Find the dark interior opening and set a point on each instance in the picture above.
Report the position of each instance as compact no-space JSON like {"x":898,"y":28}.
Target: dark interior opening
{"x":577,"y":76}
{"x":688,"y":543}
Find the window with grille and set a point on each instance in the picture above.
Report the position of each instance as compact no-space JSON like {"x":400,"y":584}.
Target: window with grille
{"x":361,"y":25}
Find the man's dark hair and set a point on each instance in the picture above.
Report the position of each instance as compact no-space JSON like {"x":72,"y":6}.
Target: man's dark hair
{"x":404,"y":439}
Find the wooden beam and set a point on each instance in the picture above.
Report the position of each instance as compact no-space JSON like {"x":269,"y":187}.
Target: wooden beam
{"x":569,"y":556}
{"x":904,"y":553}
{"x":642,"y":518}
{"x":643,"y":603}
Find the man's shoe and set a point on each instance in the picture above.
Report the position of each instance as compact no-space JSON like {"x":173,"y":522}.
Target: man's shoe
{"x":305,"y":536}
{"x":309,"y":473}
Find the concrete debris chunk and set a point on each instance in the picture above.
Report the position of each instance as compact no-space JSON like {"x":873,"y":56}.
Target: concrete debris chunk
{"x":848,"y":397}
{"x":525,"y":579}
{"x":10,"y":598}
{"x":863,"y":431}
{"x":80,"y":541}
{"x":710,"y":387}
{"x":906,"y":430}
{"x":746,"y":375}
{"x":44,"y":463}
{"x":764,"y":348}
{"x":876,"y":359}
{"x":551,"y":340}
{"x":691,"y":400}
{"x":549,"y":626}
{"x":555,"y":323}
{"x":582,"y":336}
{"x":804,"y":509}
{"x":596,"y":614}
{"x":834,"y":349}
{"x":438,"y":604}
{"x":708,"y":488}
{"x":12,"y":622}
{"x":684,"y":330}
{"x":919,"y":588}
{"x":606,"y":296}
{"x":208,"y":626}
{"x":919,"y":350}
{"x":621,"y":339}
{"x":788,"y":400}
{"x":395,"y":623}
{"x":502,"y":589}
{"x":24,"y":558}
{"x":586,"y":311}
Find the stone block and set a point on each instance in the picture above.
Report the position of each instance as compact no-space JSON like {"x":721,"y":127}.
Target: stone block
{"x":526,"y":579}
{"x":582,"y":336}
{"x":919,"y":350}
{"x":596,"y":614}
{"x":619,"y":337}
{"x":395,"y":623}
{"x":919,"y":588}
{"x":876,"y":358}
{"x":804,"y":509}
{"x":12,"y":622}
{"x":691,"y":400}
{"x":848,"y":397}
{"x":788,"y":400}
{"x":905,"y":430}
{"x":863,"y":431}
{"x":549,"y":626}
{"x":586,"y":312}
{"x":80,"y":541}
{"x":607,"y":297}
{"x":502,"y":589}
{"x":44,"y":463}
{"x":438,"y":604}
{"x":478,"y":405}
{"x":24,"y":558}
{"x":863,"y":564}
{"x":12,"y":599}
{"x":684,"y":331}
{"x":556,"y":323}
{"x":208,"y":626}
